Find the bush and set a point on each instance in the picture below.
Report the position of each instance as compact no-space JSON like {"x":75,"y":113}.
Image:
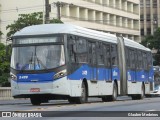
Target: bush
{"x":4,"y":80}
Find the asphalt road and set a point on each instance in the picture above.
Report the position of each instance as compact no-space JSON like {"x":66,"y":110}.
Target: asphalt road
{"x":121,"y":109}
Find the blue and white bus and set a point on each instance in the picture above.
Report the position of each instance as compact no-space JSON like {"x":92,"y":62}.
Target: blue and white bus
{"x":63,"y":61}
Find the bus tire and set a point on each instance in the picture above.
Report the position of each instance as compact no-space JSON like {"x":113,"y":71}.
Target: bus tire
{"x":112,"y":97}
{"x":83,"y":98}
{"x":71,"y":100}
{"x":35,"y":101}
{"x":148,"y":95}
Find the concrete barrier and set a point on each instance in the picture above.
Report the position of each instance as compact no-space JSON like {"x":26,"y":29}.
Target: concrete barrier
{"x":5,"y":93}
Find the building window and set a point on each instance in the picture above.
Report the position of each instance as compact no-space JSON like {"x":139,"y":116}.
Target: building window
{"x":148,"y":31}
{"x":142,"y":17}
{"x":142,"y":31}
{"x":147,"y":3}
{"x":148,"y":17}
{"x":141,"y":3}
{"x":154,"y":3}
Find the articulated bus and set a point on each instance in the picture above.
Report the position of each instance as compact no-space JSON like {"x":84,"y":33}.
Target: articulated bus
{"x":64,"y":61}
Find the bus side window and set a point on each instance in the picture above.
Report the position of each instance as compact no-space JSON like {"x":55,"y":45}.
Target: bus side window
{"x":114,"y":55}
{"x":81,"y":50}
{"x":127,"y":58}
{"x":145,"y":60}
{"x":140,"y":66}
{"x":132,"y":57}
{"x":107,"y":55}
{"x":71,"y":47}
{"x":136,"y":59}
{"x":149,"y":60}
{"x":92,"y":53}
{"x":89,"y":53}
{"x":100,"y":54}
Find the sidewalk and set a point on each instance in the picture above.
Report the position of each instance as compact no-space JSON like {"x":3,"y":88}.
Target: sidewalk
{"x":14,"y":101}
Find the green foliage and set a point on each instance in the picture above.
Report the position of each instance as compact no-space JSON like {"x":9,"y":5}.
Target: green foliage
{"x":25,"y":20}
{"x":4,"y":66}
{"x":55,"y":21}
{"x":148,"y":41}
{"x":153,"y":42}
{"x":1,"y":33}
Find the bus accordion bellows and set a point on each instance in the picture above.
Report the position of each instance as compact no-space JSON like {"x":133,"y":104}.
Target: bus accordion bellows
{"x":64,"y":61}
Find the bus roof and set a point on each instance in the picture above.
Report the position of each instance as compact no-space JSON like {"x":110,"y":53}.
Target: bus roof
{"x":134,"y":44}
{"x":46,"y":29}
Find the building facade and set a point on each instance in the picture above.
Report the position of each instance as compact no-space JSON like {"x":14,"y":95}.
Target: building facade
{"x":149,"y":16}
{"x":119,"y":17}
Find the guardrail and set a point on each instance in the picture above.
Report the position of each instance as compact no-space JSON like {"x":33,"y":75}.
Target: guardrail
{"x":5,"y":93}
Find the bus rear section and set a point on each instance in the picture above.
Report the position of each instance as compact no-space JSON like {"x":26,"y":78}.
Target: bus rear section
{"x":136,"y":69}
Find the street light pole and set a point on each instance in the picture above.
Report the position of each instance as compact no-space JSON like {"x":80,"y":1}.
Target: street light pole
{"x":47,"y":10}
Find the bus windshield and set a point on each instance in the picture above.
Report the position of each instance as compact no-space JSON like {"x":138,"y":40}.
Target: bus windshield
{"x":37,"y":57}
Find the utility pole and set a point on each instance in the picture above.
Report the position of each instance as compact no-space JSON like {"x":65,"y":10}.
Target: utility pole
{"x":59,"y":5}
{"x":47,"y":10}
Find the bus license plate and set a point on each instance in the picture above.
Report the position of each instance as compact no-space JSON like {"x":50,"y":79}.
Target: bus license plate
{"x":35,"y":90}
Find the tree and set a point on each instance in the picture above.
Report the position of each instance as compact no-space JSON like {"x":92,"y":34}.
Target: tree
{"x":25,"y":20}
{"x":153,"y":42}
{"x":4,"y":66}
{"x":1,"y":33}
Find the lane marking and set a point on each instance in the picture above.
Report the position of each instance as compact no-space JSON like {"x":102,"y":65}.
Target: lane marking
{"x":152,"y":110}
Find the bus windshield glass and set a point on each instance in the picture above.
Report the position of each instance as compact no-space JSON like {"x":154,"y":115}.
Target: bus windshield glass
{"x":37,"y":57}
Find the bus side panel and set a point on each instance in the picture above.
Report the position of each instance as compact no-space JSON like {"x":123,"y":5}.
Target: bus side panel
{"x":95,"y":87}
{"x":134,"y":87}
{"x":75,"y":79}
{"x":14,"y":88}
{"x":140,"y":76}
{"x":134,"y":82}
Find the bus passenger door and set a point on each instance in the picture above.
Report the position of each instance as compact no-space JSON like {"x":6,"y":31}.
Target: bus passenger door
{"x":92,"y":61}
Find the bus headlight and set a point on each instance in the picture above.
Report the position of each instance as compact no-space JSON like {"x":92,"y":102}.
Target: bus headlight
{"x":60,"y":74}
{"x":13,"y":77}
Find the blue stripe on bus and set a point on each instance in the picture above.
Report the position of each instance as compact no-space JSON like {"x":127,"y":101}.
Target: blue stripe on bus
{"x":89,"y":73}
{"x":43,"y":77}
{"x":139,"y":76}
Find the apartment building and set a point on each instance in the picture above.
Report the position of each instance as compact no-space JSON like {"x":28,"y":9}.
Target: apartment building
{"x":119,"y":17}
{"x":149,"y":16}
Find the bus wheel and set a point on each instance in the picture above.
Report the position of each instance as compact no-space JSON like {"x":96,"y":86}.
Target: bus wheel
{"x":35,"y":100}
{"x":148,"y":95}
{"x":71,"y":100}
{"x":112,"y":97}
{"x":83,"y":97}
